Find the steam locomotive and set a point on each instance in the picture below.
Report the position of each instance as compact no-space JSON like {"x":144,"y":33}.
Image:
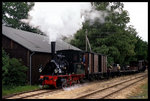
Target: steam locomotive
{"x":69,"y":67}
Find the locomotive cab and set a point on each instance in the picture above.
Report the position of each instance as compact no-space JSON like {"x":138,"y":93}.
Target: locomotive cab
{"x":75,"y":60}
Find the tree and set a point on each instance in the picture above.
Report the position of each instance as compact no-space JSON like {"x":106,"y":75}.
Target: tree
{"x":13,"y":12}
{"x":112,"y":38}
{"x":141,"y":49}
{"x":13,"y":72}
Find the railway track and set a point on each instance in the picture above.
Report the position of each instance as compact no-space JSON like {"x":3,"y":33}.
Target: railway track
{"x":30,"y":94}
{"x":100,"y":93}
{"x":112,"y":89}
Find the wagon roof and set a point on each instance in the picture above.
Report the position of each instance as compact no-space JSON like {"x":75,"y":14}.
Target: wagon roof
{"x":95,"y":53}
{"x":33,"y":41}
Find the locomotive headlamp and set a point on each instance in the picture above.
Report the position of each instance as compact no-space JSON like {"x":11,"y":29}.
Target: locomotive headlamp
{"x":56,"y":70}
{"x":64,"y":67}
{"x":60,"y":70}
{"x":40,"y":70}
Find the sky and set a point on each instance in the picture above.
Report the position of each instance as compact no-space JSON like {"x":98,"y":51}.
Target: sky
{"x":138,"y":13}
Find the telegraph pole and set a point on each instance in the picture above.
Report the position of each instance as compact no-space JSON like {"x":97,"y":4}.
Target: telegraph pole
{"x":86,"y":39}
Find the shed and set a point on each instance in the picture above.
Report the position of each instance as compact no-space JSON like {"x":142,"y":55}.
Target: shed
{"x":33,"y":49}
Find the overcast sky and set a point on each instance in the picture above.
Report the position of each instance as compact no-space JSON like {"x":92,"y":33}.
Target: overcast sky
{"x":138,"y":12}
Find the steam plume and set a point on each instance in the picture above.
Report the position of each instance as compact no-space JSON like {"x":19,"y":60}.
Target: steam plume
{"x":62,"y":19}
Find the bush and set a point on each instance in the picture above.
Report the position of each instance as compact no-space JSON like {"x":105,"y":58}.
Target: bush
{"x":13,"y":72}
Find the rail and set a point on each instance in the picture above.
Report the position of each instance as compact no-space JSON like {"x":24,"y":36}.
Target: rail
{"x":114,"y":85}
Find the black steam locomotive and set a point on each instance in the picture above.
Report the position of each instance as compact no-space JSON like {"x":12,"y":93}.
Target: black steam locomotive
{"x":71,"y":66}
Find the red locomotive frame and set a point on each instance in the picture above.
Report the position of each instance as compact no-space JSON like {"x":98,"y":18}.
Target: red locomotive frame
{"x":51,"y":80}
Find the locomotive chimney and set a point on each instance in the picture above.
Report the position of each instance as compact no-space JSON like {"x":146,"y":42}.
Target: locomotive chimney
{"x":53,"y":47}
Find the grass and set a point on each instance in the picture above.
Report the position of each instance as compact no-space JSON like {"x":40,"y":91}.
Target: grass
{"x":7,"y":90}
{"x":143,"y":94}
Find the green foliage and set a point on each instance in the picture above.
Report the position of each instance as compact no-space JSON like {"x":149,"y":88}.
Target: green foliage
{"x":101,"y":5}
{"x":13,"y":12}
{"x":13,"y":72}
{"x":80,"y":39}
{"x":113,"y":38}
{"x":141,"y":49}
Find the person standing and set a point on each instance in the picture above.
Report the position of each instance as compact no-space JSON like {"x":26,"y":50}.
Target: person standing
{"x":118,"y":69}
{"x":109,"y":71}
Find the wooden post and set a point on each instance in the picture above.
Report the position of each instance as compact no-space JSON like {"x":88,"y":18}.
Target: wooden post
{"x":86,"y":39}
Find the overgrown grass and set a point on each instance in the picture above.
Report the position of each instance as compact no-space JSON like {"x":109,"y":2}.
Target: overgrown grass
{"x":143,"y":94}
{"x":7,"y":90}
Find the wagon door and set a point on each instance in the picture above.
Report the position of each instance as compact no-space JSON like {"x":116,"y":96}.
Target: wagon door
{"x":95,"y":63}
{"x":91,"y":63}
{"x":99,"y":64}
{"x":105,"y":64}
{"x":86,"y":63}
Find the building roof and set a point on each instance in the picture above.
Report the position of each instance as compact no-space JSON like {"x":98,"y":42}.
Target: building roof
{"x":33,"y":41}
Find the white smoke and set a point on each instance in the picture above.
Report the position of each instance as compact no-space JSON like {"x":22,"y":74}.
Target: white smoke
{"x":75,"y":86}
{"x":62,"y":19}
{"x":94,"y":15}
{"x":72,"y":87}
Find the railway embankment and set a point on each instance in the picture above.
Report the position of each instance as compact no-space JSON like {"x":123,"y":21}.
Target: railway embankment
{"x":77,"y":90}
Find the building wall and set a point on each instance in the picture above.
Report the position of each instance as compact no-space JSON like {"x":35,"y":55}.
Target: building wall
{"x":37,"y":60}
{"x":15,"y":50}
